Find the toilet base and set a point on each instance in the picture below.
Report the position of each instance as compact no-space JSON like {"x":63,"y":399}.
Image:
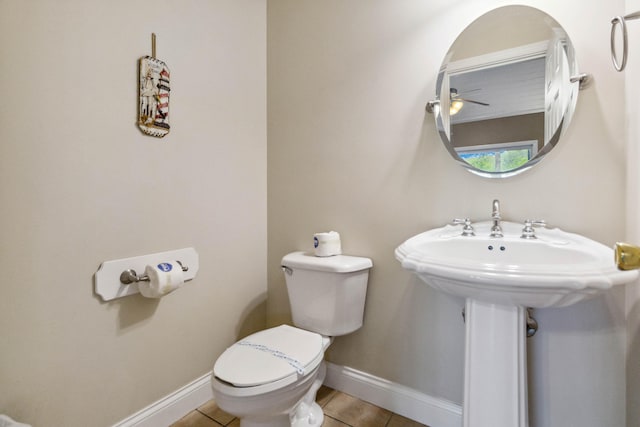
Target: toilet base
{"x":309,"y":413}
{"x":313,"y":417}
{"x":305,"y":416}
{"x":303,"y":413}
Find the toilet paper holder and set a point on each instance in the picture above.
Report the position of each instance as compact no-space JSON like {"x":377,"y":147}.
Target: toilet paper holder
{"x":130,"y":276}
{"x":108,"y":282}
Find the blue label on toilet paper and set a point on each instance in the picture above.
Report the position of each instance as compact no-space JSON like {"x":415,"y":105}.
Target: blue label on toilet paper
{"x":315,"y":242}
{"x":165,"y":266}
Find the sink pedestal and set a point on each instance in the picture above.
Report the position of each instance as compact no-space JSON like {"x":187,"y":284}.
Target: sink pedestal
{"x":495,"y":389}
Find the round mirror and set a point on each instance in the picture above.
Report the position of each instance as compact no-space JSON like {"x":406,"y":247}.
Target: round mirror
{"x":506,"y":91}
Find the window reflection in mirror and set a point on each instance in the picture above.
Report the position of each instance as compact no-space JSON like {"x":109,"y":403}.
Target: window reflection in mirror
{"x":499,"y":157}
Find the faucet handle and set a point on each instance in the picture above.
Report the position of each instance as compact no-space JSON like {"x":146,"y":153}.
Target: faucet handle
{"x":467,"y":228}
{"x":528,"y":231}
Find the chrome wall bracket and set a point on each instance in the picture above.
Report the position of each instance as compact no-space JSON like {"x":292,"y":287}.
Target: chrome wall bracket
{"x":431,"y":105}
{"x":584,"y":80}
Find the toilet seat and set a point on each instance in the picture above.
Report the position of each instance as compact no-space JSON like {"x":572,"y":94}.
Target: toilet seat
{"x":269,"y":356}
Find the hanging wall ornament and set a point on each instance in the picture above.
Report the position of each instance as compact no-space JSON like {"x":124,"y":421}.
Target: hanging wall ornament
{"x":153,"y":107}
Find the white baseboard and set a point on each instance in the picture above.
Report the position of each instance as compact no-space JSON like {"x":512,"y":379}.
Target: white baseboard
{"x":172,"y":407}
{"x":396,"y":398}
{"x":383,"y":393}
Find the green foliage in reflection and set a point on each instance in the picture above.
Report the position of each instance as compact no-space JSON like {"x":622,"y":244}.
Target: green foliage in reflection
{"x":485,"y":162}
{"x":497,"y":161}
{"x":513,"y":159}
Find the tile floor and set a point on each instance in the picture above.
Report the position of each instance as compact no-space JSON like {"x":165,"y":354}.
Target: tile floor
{"x":340,"y":410}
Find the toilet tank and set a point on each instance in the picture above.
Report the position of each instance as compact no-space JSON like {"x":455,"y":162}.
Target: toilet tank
{"x":326,"y":294}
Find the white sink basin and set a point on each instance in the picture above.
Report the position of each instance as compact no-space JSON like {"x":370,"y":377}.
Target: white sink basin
{"x":500,"y":277}
{"x":556,"y":269}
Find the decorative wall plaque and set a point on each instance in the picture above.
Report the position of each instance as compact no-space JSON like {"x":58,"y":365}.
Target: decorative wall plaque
{"x":154,"y":88}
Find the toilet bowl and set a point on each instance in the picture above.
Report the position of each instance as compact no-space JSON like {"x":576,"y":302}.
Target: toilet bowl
{"x":263,"y":380}
{"x":270,"y":378}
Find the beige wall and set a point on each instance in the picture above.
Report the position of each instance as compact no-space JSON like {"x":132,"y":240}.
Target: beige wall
{"x":632,"y":91}
{"x":80,"y":184}
{"x":351,"y":149}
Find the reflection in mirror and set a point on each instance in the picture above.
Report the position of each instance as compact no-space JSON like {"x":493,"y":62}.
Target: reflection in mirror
{"x":505,"y":91}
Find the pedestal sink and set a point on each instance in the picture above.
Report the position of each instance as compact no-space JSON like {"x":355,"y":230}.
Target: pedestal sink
{"x":500,"y":277}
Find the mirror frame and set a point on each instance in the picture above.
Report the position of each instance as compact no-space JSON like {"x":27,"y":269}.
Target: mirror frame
{"x":572,"y":87}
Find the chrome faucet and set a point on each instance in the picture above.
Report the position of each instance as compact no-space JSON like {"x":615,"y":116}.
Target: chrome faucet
{"x":496,"y":229}
{"x":467,"y":228}
{"x":528,"y":232}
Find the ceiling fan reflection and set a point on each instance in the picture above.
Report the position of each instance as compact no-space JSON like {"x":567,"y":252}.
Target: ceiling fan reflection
{"x":457,"y":102}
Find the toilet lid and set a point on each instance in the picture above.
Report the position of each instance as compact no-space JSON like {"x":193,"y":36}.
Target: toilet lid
{"x":269,"y":356}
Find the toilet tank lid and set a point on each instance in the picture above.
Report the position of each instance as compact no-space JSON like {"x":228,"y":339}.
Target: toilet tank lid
{"x":333,"y":264}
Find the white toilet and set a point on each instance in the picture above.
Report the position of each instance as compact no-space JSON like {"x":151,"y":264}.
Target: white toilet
{"x":270,"y":378}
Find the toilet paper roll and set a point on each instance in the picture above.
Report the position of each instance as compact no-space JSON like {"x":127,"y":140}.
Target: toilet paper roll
{"x":164,"y":278}
{"x":327,"y":244}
